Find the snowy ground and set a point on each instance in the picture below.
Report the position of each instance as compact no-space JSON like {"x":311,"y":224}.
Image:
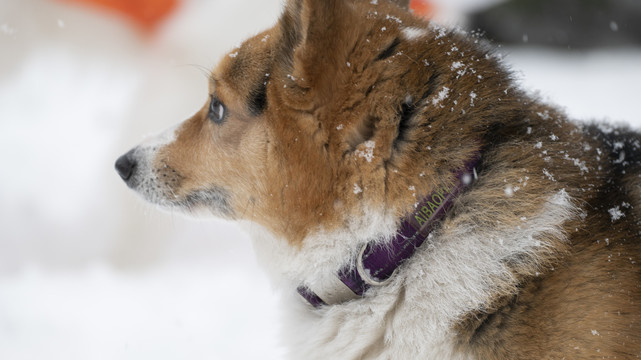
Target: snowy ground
{"x":89,"y":272}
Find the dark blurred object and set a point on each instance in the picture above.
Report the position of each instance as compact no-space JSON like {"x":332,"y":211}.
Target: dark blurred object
{"x":566,"y":23}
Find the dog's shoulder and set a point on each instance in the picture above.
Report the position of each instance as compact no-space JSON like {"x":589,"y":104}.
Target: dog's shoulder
{"x":583,"y":300}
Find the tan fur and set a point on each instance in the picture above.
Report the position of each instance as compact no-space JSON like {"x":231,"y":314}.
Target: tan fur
{"x":352,"y":103}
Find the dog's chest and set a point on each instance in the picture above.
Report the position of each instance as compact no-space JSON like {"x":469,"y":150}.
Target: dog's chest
{"x":459,"y":271}
{"x":381,"y":330}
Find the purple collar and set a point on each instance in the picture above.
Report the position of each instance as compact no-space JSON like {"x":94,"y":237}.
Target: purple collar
{"x":377,"y":262}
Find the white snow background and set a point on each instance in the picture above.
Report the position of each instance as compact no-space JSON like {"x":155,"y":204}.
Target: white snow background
{"x":87,"y":270}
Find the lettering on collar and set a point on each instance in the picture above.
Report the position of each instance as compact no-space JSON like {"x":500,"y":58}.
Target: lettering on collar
{"x":427,"y":209}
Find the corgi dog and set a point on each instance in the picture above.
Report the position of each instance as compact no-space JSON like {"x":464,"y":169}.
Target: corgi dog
{"x":406,"y":197}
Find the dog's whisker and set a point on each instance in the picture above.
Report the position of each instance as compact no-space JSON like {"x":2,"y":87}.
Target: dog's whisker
{"x":203,"y":70}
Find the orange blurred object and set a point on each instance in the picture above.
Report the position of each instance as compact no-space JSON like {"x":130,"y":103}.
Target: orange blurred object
{"x":422,"y":8}
{"x":146,"y":13}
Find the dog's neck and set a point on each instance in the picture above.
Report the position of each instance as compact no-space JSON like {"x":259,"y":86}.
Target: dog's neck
{"x":377,"y":261}
{"x":460,"y":269}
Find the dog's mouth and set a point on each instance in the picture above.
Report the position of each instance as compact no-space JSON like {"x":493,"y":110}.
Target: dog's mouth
{"x":158,"y":185}
{"x":214,"y":200}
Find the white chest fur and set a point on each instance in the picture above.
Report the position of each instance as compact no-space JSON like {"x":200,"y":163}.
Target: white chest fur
{"x":458,"y":270}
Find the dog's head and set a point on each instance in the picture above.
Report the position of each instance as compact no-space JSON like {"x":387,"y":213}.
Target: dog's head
{"x":341,"y":107}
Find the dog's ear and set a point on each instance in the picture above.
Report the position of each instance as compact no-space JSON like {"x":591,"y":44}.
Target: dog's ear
{"x":404,"y":4}
{"x":316,"y":37}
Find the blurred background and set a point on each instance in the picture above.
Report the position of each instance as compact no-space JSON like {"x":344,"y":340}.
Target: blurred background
{"x":87,"y":270}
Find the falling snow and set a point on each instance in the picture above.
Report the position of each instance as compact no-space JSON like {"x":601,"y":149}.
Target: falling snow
{"x":581,"y":165}
{"x":545,"y":115}
{"x":509,"y":191}
{"x":616,"y":213}
{"x":7,"y":29}
{"x":552,"y":71}
{"x":368,"y":153}
{"x":442,"y":95}
{"x":441,"y":32}
{"x":390,"y":17}
{"x":472,"y":97}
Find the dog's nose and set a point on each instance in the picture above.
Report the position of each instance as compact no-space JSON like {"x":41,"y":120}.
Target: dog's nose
{"x":125,"y":165}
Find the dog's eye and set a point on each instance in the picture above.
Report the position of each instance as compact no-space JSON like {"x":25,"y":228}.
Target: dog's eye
{"x":216,"y":110}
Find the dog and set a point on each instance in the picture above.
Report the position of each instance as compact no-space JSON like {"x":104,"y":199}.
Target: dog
{"x":407,"y":198}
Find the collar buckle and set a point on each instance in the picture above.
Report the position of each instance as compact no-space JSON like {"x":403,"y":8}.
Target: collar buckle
{"x":365,"y":273}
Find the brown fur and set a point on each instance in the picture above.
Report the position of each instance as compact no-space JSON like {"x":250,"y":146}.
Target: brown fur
{"x":306,"y":98}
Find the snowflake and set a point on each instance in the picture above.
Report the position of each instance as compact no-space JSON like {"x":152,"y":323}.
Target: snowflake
{"x":368,"y":153}
{"x":616,"y":213}
{"x":442,"y":95}
{"x":548,"y":174}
